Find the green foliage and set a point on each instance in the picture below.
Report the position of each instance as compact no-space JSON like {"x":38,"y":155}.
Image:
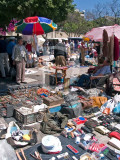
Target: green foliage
{"x":76,"y":24}
{"x":57,"y":10}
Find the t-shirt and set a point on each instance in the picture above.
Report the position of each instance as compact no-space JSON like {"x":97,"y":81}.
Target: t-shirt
{"x":10,"y":47}
{"x":104,"y":70}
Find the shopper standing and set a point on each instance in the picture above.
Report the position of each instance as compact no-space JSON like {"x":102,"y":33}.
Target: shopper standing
{"x":10,"y":47}
{"x":19,"y":57}
{"x":3,"y":57}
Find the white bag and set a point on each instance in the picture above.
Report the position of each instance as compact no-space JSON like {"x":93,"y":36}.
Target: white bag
{"x":6,"y":151}
{"x":116,"y":99}
{"x":109,"y":104}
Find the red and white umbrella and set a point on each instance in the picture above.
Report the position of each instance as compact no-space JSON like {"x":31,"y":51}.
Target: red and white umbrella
{"x":96,"y":34}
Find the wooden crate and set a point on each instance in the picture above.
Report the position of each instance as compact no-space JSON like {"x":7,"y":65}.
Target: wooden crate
{"x":53,"y":100}
{"x":27,"y":117}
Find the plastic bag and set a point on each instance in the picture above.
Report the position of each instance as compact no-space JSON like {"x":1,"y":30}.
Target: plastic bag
{"x":116,"y":99}
{"x":116,"y":110}
{"x":109,"y":104}
{"x":6,"y":151}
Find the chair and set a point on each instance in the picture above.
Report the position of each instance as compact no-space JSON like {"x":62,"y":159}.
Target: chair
{"x":100,"y":82}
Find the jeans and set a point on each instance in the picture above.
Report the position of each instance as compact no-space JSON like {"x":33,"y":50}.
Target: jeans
{"x":83,"y":79}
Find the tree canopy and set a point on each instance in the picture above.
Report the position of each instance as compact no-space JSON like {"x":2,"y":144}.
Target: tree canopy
{"x":102,"y":15}
{"x":57,"y":10}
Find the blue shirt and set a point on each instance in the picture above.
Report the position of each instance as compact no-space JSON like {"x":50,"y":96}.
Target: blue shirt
{"x":10,"y":47}
{"x":104,"y":70}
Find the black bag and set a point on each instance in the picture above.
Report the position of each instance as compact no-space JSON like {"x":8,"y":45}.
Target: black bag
{"x":72,"y":112}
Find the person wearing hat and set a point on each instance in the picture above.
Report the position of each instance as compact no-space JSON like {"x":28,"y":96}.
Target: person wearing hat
{"x":19,"y":57}
{"x":10,"y":47}
{"x":3,"y":57}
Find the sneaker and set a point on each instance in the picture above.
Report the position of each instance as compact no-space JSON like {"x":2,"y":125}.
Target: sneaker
{"x":24,"y":82}
{"x":18,"y":83}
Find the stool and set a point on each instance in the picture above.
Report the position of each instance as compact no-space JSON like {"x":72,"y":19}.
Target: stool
{"x":63,"y":69}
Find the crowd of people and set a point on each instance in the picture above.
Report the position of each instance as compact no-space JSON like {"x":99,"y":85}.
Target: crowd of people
{"x":19,"y":54}
{"x":15,"y":54}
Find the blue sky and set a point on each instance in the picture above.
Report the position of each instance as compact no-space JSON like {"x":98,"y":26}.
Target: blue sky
{"x":88,"y":4}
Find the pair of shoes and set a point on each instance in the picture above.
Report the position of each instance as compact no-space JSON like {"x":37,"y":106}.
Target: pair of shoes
{"x":24,"y":82}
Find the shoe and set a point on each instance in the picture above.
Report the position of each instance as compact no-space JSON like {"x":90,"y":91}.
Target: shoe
{"x":18,"y":83}
{"x":24,"y":82}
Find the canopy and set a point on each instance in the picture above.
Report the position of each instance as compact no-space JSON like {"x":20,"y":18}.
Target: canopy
{"x":35,"y":25}
{"x":97,"y":33}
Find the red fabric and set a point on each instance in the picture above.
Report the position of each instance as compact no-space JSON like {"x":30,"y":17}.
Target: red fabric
{"x":31,"y":19}
{"x":116,"y":84}
{"x":37,"y":29}
{"x":116,"y":48}
{"x":115,"y":135}
{"x":29,"y":47}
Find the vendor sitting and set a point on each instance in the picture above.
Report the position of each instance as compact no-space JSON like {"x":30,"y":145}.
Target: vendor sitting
{"x":102,"y":70}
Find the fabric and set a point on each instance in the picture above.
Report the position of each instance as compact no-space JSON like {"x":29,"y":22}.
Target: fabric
{"x":96,"y":33}
{"x":104,"y":70}
{"x":3,"y":46}
{"x":60,"y":61}
{"x":116,"y":48}
{"x":83,"y":79}
{"x":10,"y":47}
{"x":98,"y":101}
{"x":35,"y":26}
{"x":53,"y":123}
{"x":105,"y":44}
{"x":29,"y":47}
{"x":20,"y":71}
{"x":4,"y":61}
{"x":113,"y":83}
{"x":116,"y":84}
{"x":111,"y":49}
{"x":18,"y":53}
